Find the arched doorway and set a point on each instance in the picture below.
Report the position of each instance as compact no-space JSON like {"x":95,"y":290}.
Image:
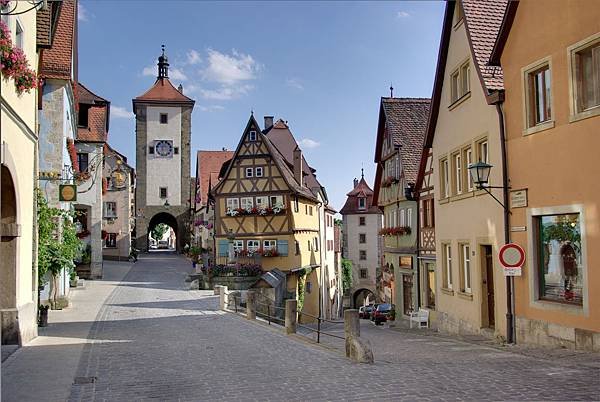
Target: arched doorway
{"x":8,"y":262}
{"x":162,"y":233}
{"x":363,"y":297}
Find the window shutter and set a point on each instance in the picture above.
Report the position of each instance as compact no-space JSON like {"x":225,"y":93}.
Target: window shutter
{"x":282,"y":247}
{"x":223,"y":248}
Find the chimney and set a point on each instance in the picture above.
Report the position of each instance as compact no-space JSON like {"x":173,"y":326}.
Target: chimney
{"x":355,"y":182}
{"x":298,"y":175}
{"x":268,"y":122}
{"x":180,"y":88}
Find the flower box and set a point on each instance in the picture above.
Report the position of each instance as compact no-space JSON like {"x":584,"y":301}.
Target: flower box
{"x":395,"y":231}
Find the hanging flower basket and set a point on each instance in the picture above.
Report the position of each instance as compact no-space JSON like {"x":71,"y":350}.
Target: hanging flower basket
{"x":13,"y":62}
{"x":395,"y":231}
{"x":388,"y":181}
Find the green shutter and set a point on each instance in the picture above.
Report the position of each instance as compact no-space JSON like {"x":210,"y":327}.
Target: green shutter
{"x":223,"y":248}
{"x":282,"y":247}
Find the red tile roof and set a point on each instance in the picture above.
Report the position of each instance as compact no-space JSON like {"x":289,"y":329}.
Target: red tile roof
{"x":163,"y":91}
{"x":483,"y":19}
{"x":57,"y":61}
{"x":208,"y":166}
{"x":98,"y":116}
{"x":361,"y":189}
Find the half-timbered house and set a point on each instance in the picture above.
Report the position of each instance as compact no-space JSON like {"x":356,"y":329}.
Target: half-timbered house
{"x":263,"y":205}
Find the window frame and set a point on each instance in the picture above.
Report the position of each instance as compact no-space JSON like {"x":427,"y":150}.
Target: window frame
{"x":252,"y":245}
{"x":160,"y":192}
{"x":466,"y":268}
{"x":269,"y":244}
{"x":264,"y":201}
{"x":252,"y":136}
{"x":80,"y":155}
{"x":460,"y":86}
{"x":362,"y":238}
{"x":238,"y":245}
{"x":447,"y":266}
{"x":249,"y":173}
{"x":111,"y":244}
{"x":444,"y":178}
{"x":574,"y":105}
{"x":362,"y":255}
{"x":19,"y":36}
{"x":457,"y":169}
{"x":232,"y":201}
{"x":246,"y":200}
{"x":362,"y":203}
{"x":468,"y":160}
{"x":528,"y":127}
{"x":106,"y":209}
{"x":257,"y":170}
{"x":165,"y":120}
{"x":362,"y":221}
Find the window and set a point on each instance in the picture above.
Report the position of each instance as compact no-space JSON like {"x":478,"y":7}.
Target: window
{"x":362,"y":255}
{"x":444,"y":179}
{"x":176,"y":150}
{"x":585,"y":75}
{"x":309,"y":245}
{"x":249,"y":172}
{"x":252,"y":136}
{"x":315,"y":244}
{"x":82,"y":116}
{"x":238,"y":245}
{"x":482,"y":150}
{"x":269,"y":245}
{"x":310,"y":210}
{"x":111,"y":240}
{"x":162,"y":192}
{"x":559,"y":263}
{"x":460,"y":82}
{"x":253,"y":246}
{"x":402,"y":218}
{"x":247,"y":203}
{"x":232,"y":203}
{"x":409,"y":217}
{"x":258,"y":172}
{"x":458,"y":18}
{"x":297,"y":247}
{"x":361,"y":221}
{"x":276,"y":200}
{"x":19,"y":35}
{"x":458,"y":172}
{"x":151,"y":150}
{"x":447,"y":272}
{"x":82,"y":161}
{"x":164,"y":118}
{"x":110,"y":209}
{"x":538,"y":96}
{"x":362,"y":238}
{"x":465,"y":254}
{"x":468,"y":160}
{"x":362,"y":203}
{"x":262,"y":202}
{"x":363,"y":273}
{"x":296,"y":204}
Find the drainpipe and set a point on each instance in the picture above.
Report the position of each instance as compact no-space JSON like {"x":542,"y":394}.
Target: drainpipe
{"x":510,"y":327}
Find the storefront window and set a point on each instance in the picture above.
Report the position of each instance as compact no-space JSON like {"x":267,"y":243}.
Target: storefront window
{"x":560,"y":263}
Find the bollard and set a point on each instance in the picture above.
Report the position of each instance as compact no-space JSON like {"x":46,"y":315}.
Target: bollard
{"x":357,"y":349}
{"x":351,"y":323}
{"x":217,"y":290}
{"x":223,"y":297}
{"x":250,"y":305}
{"x":291,"y":316}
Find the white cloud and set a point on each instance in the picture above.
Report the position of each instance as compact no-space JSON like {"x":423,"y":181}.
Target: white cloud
{"x":193,"y":57}
{"x":402,"y":14}
{"x":211,"y":108}
{"x":294,"y":83}
{"x":229,"y":69}
{"x":308,"y":143}
{"x":177,"y":74}
{"x":120,"y":112}
{"x":226,"y":92}
{"x":150,"y":71}
{"x":82,"y":13}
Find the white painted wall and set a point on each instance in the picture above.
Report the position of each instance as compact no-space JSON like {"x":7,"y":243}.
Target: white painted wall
{"x":160,"y":171}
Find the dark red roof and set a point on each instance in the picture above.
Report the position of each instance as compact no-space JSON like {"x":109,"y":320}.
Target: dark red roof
{"x":361,"y":189}
{"x":98,"y":116}
{"x":163,"y":91}
{"x":58,"y":61}
{"x":208,"y":165}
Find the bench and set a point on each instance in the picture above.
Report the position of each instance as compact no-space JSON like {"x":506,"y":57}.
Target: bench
{"x":421,"y":317}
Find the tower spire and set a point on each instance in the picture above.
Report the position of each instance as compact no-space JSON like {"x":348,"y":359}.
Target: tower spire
{"x":362,"y":173}
{"x":391,"y":91}
{"x":163,"y":64}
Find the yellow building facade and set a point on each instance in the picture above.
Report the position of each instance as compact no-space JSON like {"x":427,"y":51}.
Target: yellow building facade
{"x":270,"y":218}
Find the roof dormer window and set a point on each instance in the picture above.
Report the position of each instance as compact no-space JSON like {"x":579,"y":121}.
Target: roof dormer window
{"x":362,"y":203}
{"x":252,"y":136}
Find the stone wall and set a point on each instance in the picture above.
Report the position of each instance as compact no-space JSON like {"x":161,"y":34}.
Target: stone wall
{"x":542,"y":333}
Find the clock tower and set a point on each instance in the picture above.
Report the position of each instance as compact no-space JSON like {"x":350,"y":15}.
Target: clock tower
{"x":163,"y":117}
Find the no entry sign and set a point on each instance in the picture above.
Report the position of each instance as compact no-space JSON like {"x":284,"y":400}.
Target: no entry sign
{"x":512,"y":258}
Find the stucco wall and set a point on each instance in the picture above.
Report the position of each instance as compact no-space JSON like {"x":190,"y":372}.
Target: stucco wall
{"x":558,"y":166}
{"x":473,"y":217}
{"x":352,"y":230}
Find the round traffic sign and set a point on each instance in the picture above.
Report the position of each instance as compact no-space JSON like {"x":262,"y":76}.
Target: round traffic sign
{"x":511,"y":255}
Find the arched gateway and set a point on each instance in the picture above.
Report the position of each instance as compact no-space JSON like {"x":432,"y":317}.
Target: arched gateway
{"x":163,"y":117}
{"x":8,"y":262}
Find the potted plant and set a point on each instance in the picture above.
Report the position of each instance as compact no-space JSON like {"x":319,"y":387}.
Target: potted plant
{"x":73,"y":278}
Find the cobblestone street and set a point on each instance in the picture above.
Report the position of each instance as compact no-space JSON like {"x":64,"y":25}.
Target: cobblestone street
{"x":153,"y":339}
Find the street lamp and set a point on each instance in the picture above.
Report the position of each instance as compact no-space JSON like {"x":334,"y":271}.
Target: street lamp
{"x":480,"y":175}
{"x":167,"y":205}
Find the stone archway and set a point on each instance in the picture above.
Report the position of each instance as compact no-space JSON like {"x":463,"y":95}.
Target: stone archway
{"x":361,"y":295}
{"x":9,"y":230}
{"x":167,"y":219}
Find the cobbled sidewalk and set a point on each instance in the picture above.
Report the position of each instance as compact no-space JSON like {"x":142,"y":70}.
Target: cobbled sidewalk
{"x":155,"y":340}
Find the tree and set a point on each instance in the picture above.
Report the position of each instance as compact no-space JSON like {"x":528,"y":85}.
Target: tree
{"x":346,"y":274}
{"x":159,"y":231}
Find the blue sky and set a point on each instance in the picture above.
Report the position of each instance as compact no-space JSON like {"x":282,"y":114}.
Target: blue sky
{"x":322,"y":66}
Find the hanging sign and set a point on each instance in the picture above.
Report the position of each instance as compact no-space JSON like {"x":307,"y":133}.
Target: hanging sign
{"x":67,"y":192}
{"x":512,"y":258}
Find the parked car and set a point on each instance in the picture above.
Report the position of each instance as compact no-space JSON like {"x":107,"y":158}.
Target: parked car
{"x":162,"y":244}
{"x":383,"y":313}
{"x":372,"y":312}
{"x":365,"y":311}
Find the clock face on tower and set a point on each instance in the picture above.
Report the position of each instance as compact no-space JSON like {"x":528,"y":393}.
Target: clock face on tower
{"x":164,"y":148}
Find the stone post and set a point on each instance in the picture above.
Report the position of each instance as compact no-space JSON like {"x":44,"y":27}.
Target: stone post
{"x":357,"y":349}
{"x":223,"y":297}
{"x":217,"y":290}
{"x":291,"y":316}
{"x":250,"y":305}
